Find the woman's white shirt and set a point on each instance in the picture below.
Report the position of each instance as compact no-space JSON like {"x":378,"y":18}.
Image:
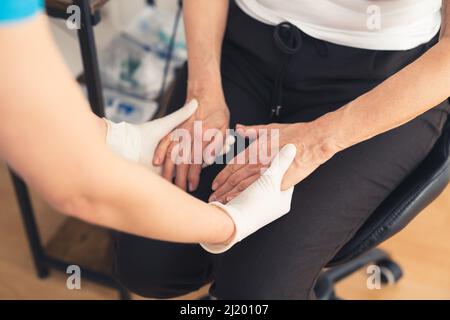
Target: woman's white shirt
{"x":366,"y":24}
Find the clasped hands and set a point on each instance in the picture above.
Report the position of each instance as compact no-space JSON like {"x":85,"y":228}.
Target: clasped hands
{"x":253,"y":194}
{"x":313,"y":149}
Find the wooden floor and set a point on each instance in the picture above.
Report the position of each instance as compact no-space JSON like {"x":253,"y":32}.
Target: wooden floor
{"x":423,"y":250}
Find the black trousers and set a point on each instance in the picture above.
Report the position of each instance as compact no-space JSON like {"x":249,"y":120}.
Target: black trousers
{"x":262,"y":67}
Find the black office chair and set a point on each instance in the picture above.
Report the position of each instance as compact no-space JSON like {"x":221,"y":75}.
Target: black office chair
{"x":416,"y":192}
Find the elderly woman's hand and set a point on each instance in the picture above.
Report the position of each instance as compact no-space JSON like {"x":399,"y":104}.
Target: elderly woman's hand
{"x":315,"y":142}
{"x":212,"y":113}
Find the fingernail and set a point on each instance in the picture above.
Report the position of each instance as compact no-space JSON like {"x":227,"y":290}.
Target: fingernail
{"x":191,"y":187}
{"x":215,"y":186}
{"x":156,"y":161}
{"x":229,"y":199}
{"x":212,"y":198}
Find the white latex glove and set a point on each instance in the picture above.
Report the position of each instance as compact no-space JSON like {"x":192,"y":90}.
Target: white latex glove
{"x":137,"y":143}
{"x":262,"y":203}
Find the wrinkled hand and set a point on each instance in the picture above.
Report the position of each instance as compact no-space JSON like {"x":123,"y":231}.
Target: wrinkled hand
{"x":137,"y":143}
{"x":213,"y":114}
{"x":313,"y":149}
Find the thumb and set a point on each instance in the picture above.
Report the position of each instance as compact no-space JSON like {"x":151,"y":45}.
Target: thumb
{"x":282,"y":162}
{"x":166,"y":124}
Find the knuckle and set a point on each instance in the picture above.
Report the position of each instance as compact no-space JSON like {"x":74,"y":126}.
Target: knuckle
{"x":241,"y":186}
{"x":167,"y":171}
{"x":164,"y":142}
{"x":234,"y":181}
{"x":218,"y":182}
{"x":193,"y":176}
{"x":160,"y":151}
{"x":255,"y":167}
{"x":233,"y":168}
{"x":161,"y":147}
{"x":169,"y":152}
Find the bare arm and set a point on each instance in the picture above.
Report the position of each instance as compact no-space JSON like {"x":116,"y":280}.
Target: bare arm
{"x":409,"y":93}
{"x":205,"y":22}
{"x":50,"y":137}
{"x":204,"y":33}
{"x":404,"y":96}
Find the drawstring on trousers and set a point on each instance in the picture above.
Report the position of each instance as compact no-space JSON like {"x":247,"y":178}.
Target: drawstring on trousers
{"x":288,"y":39}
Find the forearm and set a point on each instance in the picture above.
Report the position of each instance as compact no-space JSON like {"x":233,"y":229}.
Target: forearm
{"x":133,"y":200}
{"x":94,"y":185}
{"x":407,"y":94}
{"x":420,"y":86}
{"x":205,"y":22}
{"x":50,"y":137}
{"x":417,"y":88}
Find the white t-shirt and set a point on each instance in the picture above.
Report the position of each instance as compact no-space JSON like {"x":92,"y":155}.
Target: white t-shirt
{"x":367,"y":24}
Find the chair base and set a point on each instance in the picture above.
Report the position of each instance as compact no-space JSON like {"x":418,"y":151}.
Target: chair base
{"x":390,"y":273}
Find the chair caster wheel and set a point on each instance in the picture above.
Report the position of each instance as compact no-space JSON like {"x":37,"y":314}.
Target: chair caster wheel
{"x":391,"y":272}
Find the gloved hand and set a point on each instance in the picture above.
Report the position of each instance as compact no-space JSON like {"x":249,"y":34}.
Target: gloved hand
{"x":137,"y":143}
{"x":262,"y":203}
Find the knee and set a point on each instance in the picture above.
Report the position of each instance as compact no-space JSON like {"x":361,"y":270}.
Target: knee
{"x":157,"y":281}
{"x":148,"y":286}
{"x":153,"y":274}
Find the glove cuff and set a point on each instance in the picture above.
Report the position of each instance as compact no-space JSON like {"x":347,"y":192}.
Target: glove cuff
{"x":238,"y":236}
